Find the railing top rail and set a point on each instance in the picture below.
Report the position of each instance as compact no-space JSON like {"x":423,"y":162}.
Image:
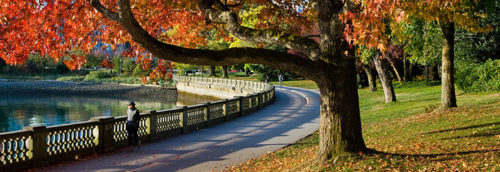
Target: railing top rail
{"x":15,"y":133}
{"x":72,"y":125}
{"x":169,"y":111}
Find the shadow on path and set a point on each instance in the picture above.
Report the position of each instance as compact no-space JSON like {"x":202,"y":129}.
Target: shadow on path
{"x":293,"y":115}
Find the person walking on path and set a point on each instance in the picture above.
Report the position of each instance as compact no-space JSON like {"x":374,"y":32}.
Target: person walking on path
{"x":133,"y":118}
{"x":280,"y":78}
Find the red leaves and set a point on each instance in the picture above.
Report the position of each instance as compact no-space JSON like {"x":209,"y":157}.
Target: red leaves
{"x":75,"y":62}
{"x":107,"y":64}
{"x":55,"y":28}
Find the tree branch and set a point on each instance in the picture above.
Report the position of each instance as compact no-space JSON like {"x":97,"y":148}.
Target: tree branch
{"x":298,"y":43}
{"x":104,"y":11}
{"x":287,"y":62}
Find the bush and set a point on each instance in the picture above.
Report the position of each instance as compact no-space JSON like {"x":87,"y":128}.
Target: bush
{"x":97,"y":76}
{"x":71,"y":78}
{"x":479,"y":77}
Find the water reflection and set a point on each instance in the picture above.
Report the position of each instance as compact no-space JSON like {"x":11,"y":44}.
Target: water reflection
{"x":17,"y":112}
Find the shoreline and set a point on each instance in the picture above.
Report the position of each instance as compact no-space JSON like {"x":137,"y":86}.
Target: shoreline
{"x":86,"y":89}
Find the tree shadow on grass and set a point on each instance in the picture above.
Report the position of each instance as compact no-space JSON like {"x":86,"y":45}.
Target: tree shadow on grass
{"x":437,"y":155}
{"x":465,"y":128}
{"x":482,"y":134}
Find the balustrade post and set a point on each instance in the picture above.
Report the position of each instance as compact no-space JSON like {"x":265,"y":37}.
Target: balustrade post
{"x":38,"y":145}
{"x":250,"y":102}
{"x":105,"y":133}
{"x":224,"y":109}
{"x":184,"y":120}
{"x":261,"y":100}
{"x":153,"y":121}
{"x":240,"y":110}
{"x":207,"y":113}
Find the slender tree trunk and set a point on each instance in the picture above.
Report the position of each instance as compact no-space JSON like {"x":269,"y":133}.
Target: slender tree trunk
{"x":224,"y":72}
{"x":448,"y":98}
{"x":385,"y":79}
{"x":340,"y":126}
{"x":371,"y":77}
{"x":407,"y":69}
{"x":211,"y":71}
{"x":396,"y":72}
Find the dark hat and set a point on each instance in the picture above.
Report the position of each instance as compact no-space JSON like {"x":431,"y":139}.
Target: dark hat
{"x":131,"y":103}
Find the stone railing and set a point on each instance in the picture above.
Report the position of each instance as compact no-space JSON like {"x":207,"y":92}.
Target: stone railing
{"x":217,"y":87}
{"x":38,"y":146}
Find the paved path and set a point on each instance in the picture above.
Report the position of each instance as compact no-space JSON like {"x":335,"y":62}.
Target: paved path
{"x":294,"y":115}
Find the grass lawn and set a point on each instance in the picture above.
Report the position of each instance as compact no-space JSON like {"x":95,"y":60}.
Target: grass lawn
{"x":298,"y":83}
{"x":408,"y":135}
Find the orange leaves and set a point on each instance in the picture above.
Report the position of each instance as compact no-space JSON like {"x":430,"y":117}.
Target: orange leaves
{"x":75,"y":62}
{"x":368,"y":27}
{"x":54,"y":28}
{"x":107,"y":64}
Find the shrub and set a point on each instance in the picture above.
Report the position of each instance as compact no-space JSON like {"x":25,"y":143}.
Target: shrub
{"x":97,"y":76}
{"x":479,"y":77}
{"x":71,"y":78}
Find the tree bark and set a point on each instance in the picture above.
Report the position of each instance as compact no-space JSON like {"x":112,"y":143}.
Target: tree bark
{"x":385,"y":79}
{"x":211,"y":71}
{"x":371,"y":77}
{"x":448,"y":98}
{"x":224,"y":72}
{"x":340,"y":126}
{"x":395,"y":69}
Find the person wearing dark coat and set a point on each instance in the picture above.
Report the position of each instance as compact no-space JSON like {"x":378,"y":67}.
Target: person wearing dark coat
{"x":133,"y":118}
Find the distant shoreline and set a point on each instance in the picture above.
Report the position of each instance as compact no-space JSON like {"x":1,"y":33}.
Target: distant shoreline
{"x":11,"y":88}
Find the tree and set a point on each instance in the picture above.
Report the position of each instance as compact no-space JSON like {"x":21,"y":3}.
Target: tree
{"x":371,"y":55}
{"x":143,"y":23}
{"x":224,"y":72}
{"x":449,"y":14}
{"x":370,"y":74}
{"x":211,"y":71}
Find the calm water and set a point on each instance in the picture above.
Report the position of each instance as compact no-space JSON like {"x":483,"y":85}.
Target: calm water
{"x":15,"y":113}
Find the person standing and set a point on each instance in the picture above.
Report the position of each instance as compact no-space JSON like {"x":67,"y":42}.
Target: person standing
{"x":133,"y":118}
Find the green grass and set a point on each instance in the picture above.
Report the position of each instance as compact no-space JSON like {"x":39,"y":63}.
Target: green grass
{"x":409,"y":135}
{"x":308,"y":84}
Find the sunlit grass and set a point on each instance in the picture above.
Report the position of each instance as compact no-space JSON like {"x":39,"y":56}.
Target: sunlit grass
{"x":298,"y":83}
{"x":409,"y":135}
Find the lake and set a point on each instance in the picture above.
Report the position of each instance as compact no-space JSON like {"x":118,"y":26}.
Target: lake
{"x":18,"y":112}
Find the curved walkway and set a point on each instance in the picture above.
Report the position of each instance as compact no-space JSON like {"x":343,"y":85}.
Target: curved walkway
{"x":293,"y":115}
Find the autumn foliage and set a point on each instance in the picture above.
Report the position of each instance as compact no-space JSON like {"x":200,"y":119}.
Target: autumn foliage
{"x":54,"y":28}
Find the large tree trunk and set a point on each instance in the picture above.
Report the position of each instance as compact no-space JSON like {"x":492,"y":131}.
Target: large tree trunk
{"x":211,"y":71}
{"x":224,"y":72}
{"x":385,"y":79}
{"x":448,"y":98}
{"x":371,"y":77}
{"x":407,"y":69}
{"x":340,"y":126}
{"x":433,"y":74}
